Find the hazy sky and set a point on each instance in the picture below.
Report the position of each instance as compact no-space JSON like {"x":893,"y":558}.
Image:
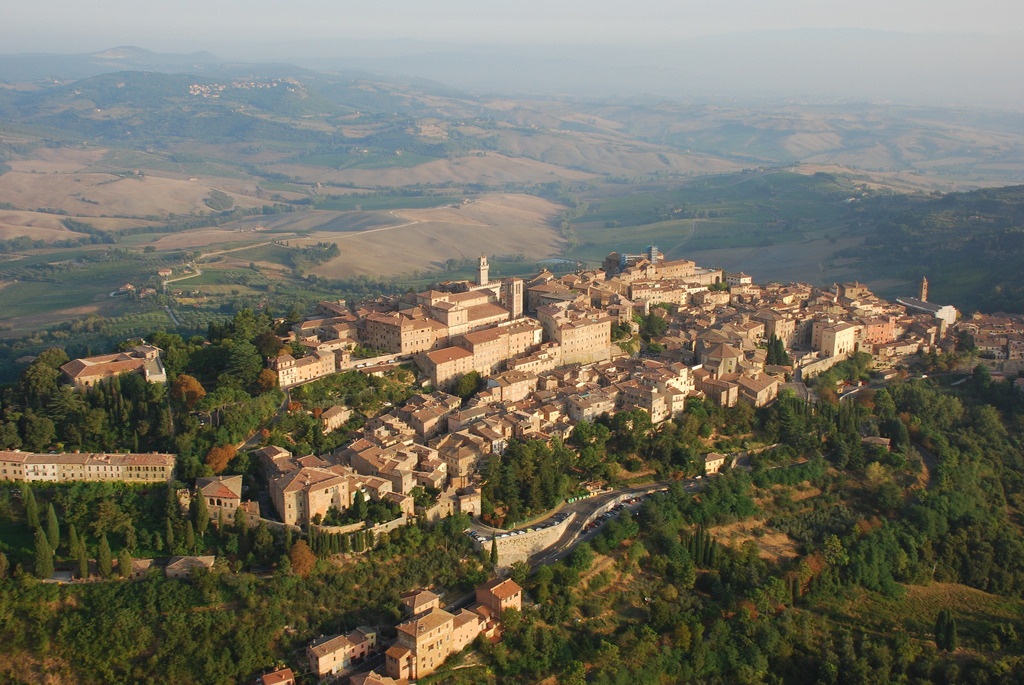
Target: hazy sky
{"x":222,"y":26}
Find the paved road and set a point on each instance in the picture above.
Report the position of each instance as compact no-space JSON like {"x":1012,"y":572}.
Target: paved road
{"x":173,"y":317}
{"x":584,"y":509}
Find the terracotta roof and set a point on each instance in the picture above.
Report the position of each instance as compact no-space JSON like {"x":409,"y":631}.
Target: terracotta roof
{"x":448,"y":354}
{"x":324,"y":645}
{"x":285,"y":675}
{"x":429,"y":621}
{"x":485,"y":311}
{"x":224,"y":487}
{"x":502,"y":588}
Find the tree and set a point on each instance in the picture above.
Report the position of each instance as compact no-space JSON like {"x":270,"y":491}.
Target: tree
{"x":190,"y":538}
{"x":218,"y":457}
{"x":104,"y":562}
{"x":777,"y":354}
{"x":39,"y":432}
{"x":200,"y":513}
{"x":834,"y":553}
{"x":467,"y":385}
{"x":188,"y":390}
{"x":302,"y":559}
{"x":5,"y":566}
{"x":264,"y":540}
{"x":83,"y":563}
{"x":241,"y":524}
{"x":31,"y":508}
{"x":169,"y":535}
{"x":359,"y":508}
{"x":244,"y":364}
{"x":940,"y":628}
{"x":52,"y":527}
{"x":124,"y":563}
{"x":44,"y":556}
{"x":494,"y":550}
{"x":268,"y":344}
{"x":266,"y":381}
{"x":519,"y":572}
{"x":39,"y":380}
{"x":952,"y":640}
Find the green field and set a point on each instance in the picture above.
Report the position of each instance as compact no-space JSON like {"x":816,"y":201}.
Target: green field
{"x":276,"y":254}
{"x":284,"y":187}
{"x":118,"y":159}
{"x":350,"y":203}
{"x":337,"y":160}
{"x":736,"y":211}
{"x":916,"y":610}
{"x":63,"y":288}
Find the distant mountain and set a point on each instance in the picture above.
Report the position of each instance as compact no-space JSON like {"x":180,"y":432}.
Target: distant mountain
{"x":142,"y":106}
{"x":969,"y":244}
{"x":811,"y":65}
{"x":37,"y":67}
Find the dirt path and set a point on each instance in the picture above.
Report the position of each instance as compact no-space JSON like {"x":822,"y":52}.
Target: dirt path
{"x":693,"y":229}
{"x":235,"y":249}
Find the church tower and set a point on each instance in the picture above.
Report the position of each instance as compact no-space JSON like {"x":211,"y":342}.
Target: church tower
{"x":923,"y":296}
{"x":514,"y":297}
{"x":481,"y":271}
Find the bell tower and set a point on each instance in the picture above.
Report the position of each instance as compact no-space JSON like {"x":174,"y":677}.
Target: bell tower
{"x":923,"y":295}
{"x":482,"y":271}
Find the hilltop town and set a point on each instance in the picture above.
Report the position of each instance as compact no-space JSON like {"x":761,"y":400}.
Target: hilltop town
{"x":543,"y":354}
{"x":499,"y":364}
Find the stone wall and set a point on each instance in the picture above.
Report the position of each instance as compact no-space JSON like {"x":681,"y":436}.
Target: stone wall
{"x":378,"y":530}
{"x":520,"y":545}
{"x":809,"y":371}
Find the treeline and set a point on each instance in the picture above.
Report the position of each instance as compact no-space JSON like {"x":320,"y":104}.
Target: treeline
{"x":974,"y":239}
{"x":678,"y":606}
{"x":220,"y":392}
{"x":530,"y":477}
{"x":224,"y":625}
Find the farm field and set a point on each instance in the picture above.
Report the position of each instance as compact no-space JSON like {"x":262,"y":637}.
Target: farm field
{"x":424,"y":239}
{"x":489,"y":168}
{"x":91,"y":194}
{"x":915,"y":611}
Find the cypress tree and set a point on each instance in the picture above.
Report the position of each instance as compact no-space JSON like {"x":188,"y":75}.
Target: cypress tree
{"x":494,"y":550}
{"x":222,"y":522}
{"x":44,"y":556}
{"x":200,"y":514}
{"x":941,"y":623}
{"x":5,"y":566}
{"x":104,"y":562}
{"x":241,"y":525}
{"x":73,"y":540}
{"x":190,"y":538}
{"x":83,"y":563}
{"x":952,"y":640}
{"x":287,"y":537}
{"x":170,"y":536}
{"x":52,"y":527}
{"x":31,"y":508}
{"x":344,"y":544}
{"x":124,"y":563}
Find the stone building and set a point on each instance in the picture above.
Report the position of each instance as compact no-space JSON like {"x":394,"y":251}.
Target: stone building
{"x":144,"y":360}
